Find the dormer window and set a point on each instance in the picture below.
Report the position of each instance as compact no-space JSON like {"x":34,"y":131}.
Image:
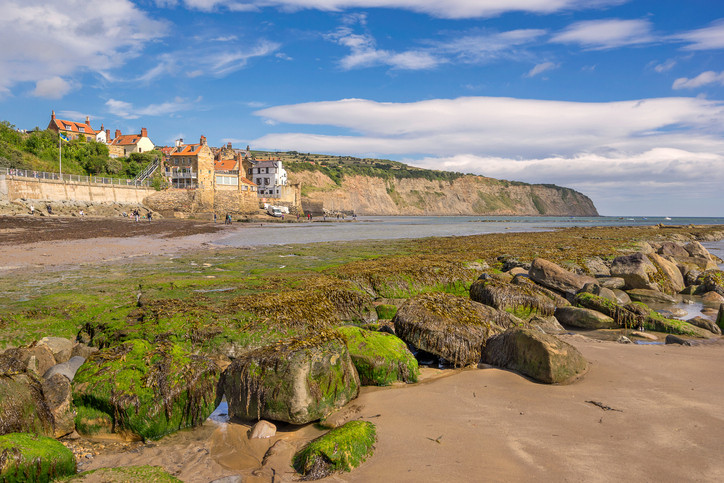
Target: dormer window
{"x":81,"y":129}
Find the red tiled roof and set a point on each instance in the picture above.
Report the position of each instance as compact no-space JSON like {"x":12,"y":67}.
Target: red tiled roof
{"x":74,"y":127}
{"x":246,"y":181}
{"x":167,"y":150}
{"x":225,"y":165}
{"x":127,"y":140}
{"x":187,"y":150}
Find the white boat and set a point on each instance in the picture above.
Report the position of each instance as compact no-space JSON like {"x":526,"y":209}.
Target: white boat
{"x":667,"y":218}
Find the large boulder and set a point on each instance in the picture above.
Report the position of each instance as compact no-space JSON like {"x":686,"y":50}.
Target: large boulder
{"x":671,"y":249}
{"x":60,"y":347}
{"x":380,"y":358}
{"x":58,"y":395}
{"x":668,"y":276}
{"x":22,"y":406}
{"x":697,"y":250}
{"x":710,"y":281}
{"x":542,"y":357}
{"x":37,"y":359}
{"x":584,"y":318}
{"x":650,"y":296}
{"x":143,"y":391}
{"x":297,"y":380}
{"x":704,"y":323}
{"x":523,"y":301}
{"x":635,"y":269}
{"x":341,"y":449}
{"x":554,"y":277}
{"x":451,"y":327}
{"x":720,"y":317}
{"x":31,"y":458}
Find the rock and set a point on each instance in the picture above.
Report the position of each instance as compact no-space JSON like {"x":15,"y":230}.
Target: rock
{"x":82,"y":350}
{"x":33,"y":458}
{"x":380,"y":358}
{"x":68,"y":369}
{"x":697,"y":250}
{"x":518,"y":271}
{"x":690,"y":290}
{"x":687,"y":264}
{"x":710,"y":312}
{"x":338,"y":418}
{"x":644,"y":335}
{"x":671,"y":249}
{"x":621,"y":296}
{"x":60,"y":347}
{"x":650,"y":296}
{"x":584,"y":318}
{"x":712,"y":297}
{"x":720,"y":318}
{"x":297,"y":380}
{"x":522,"y":301}
{"x":386,"y":311}
{"x":451,"y":327}
{"x":548,"y":325}
{"x":706,"y":324}
{"x":542,"y":357}
{"x":36,"y":359}
{"x":143,"y":391}
{"x":711,"y":281}
{"x":554,"y":277}
{"x":634,"y":269}
{"x":624,"y":340}
{"x":673,"y":312}
{"x":691,"y":277}
{"x":619,"y":313}
{"x":596,"y":289}
{"x":611,"y":282}
{"x":59,"y":398}
{"x":672,"y":339}
{"x":597,"y":267}
{"x":341,"y":449}
{"x":22,"y":406}
{"x":668,"y":276}
{"x":125,"y":474}
{"x":262,"y":430}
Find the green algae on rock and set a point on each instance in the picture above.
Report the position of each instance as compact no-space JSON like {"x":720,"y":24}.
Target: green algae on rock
{"x":143,"y":391}
{"x":454,"y":328}
{"x":386,"y":311}
{"x":29,"y":458}
{"x":341,"y":449}
{"x":123,"y":474}
{"x":380,"y":358}
{"x":298,"y":380}
{"x":22,"y":405}
{"x":523,"y":301}
{"x":542,"y":357}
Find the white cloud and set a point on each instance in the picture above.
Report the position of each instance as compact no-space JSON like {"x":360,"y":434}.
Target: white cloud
{"x":540,"y":68}
{"x":126,"y":110}
{"x":665,"y":149}
{"x":42,"y":40}
{"x":76,"y":115}
{"x":53,"y":88}
{"x":435,"y":8}
{"x":702,"y":79}
{"x":664,"y":67}
{"x":283,"y":56}
{"x":708,"y":38}
{"x":606,"y":34}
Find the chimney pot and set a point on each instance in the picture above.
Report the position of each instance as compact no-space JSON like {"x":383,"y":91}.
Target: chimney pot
{"x":118,"y":134}
{"x":108,"y":135}
{"x":87,"y":120}
{"x":52,"y":115}
{"x":144,"y":132}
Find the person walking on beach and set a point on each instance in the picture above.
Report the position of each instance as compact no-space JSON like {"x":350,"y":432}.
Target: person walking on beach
{"x":32,"y":210}
{"x":149,"y":216}
{"x":214,"y":217}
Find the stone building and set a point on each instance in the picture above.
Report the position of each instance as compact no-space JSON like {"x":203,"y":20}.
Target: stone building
{"x":191,"y":165}
{"x":73,"y":129}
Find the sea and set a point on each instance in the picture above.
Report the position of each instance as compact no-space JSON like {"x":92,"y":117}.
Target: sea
{"x":396,"y":227}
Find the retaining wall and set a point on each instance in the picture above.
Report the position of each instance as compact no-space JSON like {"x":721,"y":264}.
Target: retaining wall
{"x":14,"y":187}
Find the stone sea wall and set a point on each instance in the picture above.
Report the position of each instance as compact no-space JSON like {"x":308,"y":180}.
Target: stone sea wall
{"x":468,"y":195}
{"x":182,"y":203}
{"x":16,"y":187}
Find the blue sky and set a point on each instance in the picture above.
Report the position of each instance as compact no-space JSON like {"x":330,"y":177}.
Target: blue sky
{"x":621,"y":100}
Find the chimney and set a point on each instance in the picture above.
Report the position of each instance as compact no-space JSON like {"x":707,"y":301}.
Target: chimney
{"x":247,"y":147}
{"x":102,"y":128}
{"x":52,"y":116}
{"x":118,"y":134}
{"x":144,"y":132}
{"x":203,"y":141}
{"x":179,"y":143}
{"x":108,"y":135}
{"x":87,"y":120}
{"x":228,"y":146}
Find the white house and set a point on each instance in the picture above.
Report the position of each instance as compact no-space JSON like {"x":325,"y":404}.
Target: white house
{"x":269,"y":177}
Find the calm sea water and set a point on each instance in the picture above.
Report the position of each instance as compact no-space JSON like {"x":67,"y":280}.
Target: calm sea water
{"x":393,"y":227}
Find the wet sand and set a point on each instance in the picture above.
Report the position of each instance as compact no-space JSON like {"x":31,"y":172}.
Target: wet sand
{"x":495,"y":425}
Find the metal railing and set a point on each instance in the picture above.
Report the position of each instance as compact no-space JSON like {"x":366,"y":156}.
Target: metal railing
{"x":147,"y":171}
{"x":180,"y":175}
{"x":27,"y":173}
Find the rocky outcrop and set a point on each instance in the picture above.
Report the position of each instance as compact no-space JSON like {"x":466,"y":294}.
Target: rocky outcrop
{"x":22,"y":406}
{"x":554,"y":277}
{"x":584,"y":318}
{"x":34,"y":459}
{"x":468,"y":195}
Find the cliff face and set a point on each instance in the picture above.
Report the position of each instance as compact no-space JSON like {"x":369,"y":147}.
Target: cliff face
{"x":468,"y":195}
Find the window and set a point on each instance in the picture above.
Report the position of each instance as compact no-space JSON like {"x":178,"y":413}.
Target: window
{"x":267,"y":170}
{"x":258,"y":181}
{"x":266,"y":180}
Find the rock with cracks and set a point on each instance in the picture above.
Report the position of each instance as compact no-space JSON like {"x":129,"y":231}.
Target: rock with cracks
{"x":297,"y":380}
{"x":584,"y":318}
{"x":22,"y":406}
{"x":380,"y":358}
{"x":542,"y":357}
{"x":143,"y":391}
{"x":554,"y":277}
{"x":523,"y":300}
{"x":451,"y":327}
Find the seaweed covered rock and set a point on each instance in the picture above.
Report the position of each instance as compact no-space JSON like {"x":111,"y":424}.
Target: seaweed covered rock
{"x":451,"y":327}
{"x":298,"y":380}
{"x":29,"y":458}
{"x":710,"y":281}
{"x":650,"y":296}
{"x":704,"y":323}
{"x":668,"y":277}
{"x":520,"y":300}
{"x":542,"y":357}
{"x":380,"y":358}
{"x":584,"y":318}
{"x":22,"y":406}
{"x":555,"y":277}
{"x":619,"y":313}
{"x":341,"y":449}
{"x":635,"y":269}
{"x":386,"y":311}
{"x":142,"y":391}
{"x":123,"y":474}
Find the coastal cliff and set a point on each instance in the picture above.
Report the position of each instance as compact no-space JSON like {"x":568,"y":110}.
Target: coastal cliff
{"x":466,"y":195}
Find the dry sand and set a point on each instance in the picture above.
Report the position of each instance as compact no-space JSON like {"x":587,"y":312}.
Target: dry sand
{"x":495,"y":425}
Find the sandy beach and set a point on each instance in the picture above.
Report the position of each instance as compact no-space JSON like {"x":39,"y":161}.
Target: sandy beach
{"x":476,"y":424}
